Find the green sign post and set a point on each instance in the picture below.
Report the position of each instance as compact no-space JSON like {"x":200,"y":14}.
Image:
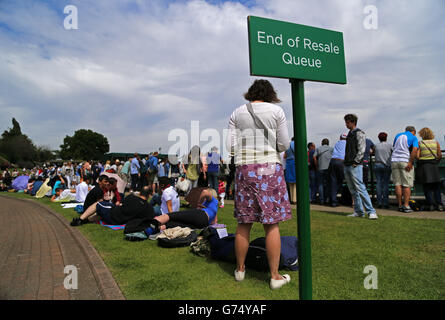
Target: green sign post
{"x":297,"y":52}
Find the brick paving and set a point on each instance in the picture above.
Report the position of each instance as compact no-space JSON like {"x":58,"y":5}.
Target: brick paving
{"x":36,"y":244}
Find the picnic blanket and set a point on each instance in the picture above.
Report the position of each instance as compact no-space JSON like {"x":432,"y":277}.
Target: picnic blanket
{"x":111,"y":226}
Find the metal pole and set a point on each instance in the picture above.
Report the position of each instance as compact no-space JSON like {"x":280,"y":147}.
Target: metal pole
{"x":303,"y":201}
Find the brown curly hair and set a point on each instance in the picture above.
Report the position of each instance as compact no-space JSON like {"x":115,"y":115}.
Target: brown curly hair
{"x":262,"y":90}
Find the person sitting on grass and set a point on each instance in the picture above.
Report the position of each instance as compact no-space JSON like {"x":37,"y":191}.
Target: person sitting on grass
{"x":59,"y":182}
{"x":108,"y":200}
{"x":97,"y":193}
{"x":36,"y":186}
{"x":170,"y":198}
{"x":134,"y":206}
{"x":114,"y":194}
{"x":82,"y":189}
{"x":199,"y":218}
{"x":30,"y":185}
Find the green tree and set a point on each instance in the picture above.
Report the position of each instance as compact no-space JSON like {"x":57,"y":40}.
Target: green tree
{"x":16,"y":146}
{"x":44,"y":154}
{"x":85,"y":145}
{"x":15,"y":131}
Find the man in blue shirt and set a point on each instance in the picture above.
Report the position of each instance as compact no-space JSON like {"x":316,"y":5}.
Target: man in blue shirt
{"x":336,"y":174}
{"x":402,"y":159}
{"x":213,"y":163}
{"x":134,"y":171}
{"x":153,"y":170}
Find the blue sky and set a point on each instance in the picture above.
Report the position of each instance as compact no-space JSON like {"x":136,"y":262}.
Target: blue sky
{"x":136,"y":70}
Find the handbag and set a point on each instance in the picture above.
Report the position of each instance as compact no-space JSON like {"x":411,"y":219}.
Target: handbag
{"x":260,"y":124}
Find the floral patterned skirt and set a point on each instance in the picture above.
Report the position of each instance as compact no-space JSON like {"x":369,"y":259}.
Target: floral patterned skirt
{"x":261,"y":194}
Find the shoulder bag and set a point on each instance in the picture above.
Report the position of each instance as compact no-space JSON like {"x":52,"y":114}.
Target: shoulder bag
{"x":260,"y":124}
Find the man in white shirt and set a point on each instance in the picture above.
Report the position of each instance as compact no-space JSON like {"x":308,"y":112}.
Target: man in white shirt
{"x":170,"y":198}
{"x":82,"y":190}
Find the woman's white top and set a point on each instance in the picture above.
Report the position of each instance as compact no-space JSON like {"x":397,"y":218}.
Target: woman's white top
{"x":248,"y":143}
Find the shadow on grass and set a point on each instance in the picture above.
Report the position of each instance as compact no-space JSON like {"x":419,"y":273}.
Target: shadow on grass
{"x":229,"y":268}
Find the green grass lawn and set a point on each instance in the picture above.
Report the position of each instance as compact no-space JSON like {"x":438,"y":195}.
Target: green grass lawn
{"x":409,"y":255}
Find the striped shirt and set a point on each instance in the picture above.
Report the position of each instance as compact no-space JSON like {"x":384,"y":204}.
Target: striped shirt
{"x":425,"y":153}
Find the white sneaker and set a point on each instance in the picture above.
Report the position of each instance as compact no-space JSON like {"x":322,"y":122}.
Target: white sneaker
{"x":239,"y":275}
{"x":355,"y":215}
{"x":276,"y":284}
{"x":373,"y":216}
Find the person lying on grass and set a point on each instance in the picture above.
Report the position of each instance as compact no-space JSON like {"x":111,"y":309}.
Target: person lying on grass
{"x":62,"y":195}
{"x":134,"y":206}
{"x":199,"y":218}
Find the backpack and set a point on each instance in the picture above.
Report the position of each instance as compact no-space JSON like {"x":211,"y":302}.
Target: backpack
{"x":79,"y":208}
{"x":415,"y":206}
{"x":221,"y":249}
{"x":257,"y":258}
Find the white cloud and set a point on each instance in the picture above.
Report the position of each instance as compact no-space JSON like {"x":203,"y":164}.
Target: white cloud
{"x":136,"y":69}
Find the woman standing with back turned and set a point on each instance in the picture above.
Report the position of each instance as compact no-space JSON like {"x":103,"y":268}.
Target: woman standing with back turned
{"x":429,"y":155}
{"x":257,"y":135}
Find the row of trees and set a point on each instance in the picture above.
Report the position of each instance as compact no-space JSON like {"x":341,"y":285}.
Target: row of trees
{"x":17,"y":148}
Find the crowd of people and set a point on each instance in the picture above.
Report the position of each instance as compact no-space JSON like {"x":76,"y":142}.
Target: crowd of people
{"x":143,"y":192}
{"x":393,"y":165}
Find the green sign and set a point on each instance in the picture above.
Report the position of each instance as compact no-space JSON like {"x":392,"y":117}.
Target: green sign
{"x":288,"y":50}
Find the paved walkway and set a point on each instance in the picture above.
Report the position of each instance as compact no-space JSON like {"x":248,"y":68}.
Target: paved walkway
{"x":36,"y":244}
{"x":384,"y":212}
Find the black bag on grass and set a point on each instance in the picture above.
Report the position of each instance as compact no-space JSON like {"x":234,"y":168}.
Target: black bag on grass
{"x":178,"y":242}
{"x":221,"y":249}
{"x":257,"y":258}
